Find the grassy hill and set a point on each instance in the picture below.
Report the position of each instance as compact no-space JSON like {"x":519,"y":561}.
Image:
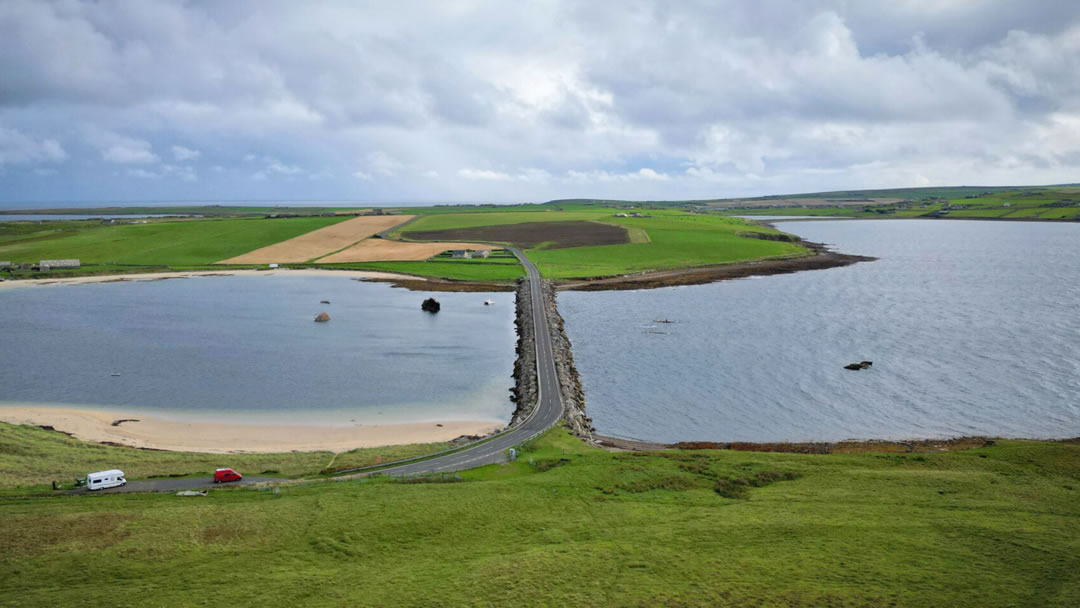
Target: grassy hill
{"x":569,"y":525}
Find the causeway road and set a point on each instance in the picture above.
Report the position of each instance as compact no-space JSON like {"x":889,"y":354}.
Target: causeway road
{"x":548,"y":410}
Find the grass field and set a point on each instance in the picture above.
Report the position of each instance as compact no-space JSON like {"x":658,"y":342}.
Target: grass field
{"x":33,"y":457}
{"x":172,"y":243}
{"x":667,"y":239}
{"x":1048,"y":203}
{"x":568,"y":525}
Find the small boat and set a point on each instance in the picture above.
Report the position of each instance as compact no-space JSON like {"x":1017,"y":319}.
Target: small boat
{"x":662,"y":321}
{"x":489,"y":302}
{"x":324,"y":301}
{"x":115,"y":374}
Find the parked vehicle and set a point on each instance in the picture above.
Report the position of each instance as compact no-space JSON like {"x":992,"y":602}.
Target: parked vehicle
{"x":226,"y":475}
{"x":105,"y":479}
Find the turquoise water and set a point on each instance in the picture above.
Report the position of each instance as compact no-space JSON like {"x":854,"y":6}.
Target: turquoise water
{"x":245,"y":348}
{"x":973,"y":328}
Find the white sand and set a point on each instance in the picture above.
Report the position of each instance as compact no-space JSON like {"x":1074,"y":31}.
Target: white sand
{"x":157,"y":276}
{"x":227,"y":437}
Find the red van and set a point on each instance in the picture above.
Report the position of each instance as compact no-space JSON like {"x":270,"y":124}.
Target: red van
{"x":226,"y":475}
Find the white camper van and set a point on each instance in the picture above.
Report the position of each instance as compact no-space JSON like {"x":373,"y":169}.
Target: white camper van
{"x":105,"y":479}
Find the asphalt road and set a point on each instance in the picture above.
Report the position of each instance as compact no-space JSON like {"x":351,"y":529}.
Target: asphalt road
{"x":548,"y":411}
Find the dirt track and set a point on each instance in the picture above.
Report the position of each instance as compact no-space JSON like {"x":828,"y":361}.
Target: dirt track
{"x":318,"y":243}
{"x":530,"y":234}
{"x":383,"y":250}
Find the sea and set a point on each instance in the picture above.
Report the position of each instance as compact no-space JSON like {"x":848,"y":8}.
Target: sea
{"x":245,"y":348}
{"x":973,"y":328}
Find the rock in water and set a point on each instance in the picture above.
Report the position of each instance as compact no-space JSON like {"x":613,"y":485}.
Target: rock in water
{"x":322,"y":318}
{"x":430,"y":305}
{"x":853,"y":366}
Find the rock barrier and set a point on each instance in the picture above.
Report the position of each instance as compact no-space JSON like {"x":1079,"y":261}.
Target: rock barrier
{"x":524,"y":393}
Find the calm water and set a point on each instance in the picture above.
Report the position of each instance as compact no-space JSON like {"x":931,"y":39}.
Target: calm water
{"x":246,"y":347}
{"x":973,"y":328}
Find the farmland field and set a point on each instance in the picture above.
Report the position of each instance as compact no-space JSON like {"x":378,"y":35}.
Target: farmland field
{"x":665,"y":239}
{"x":320,"y":242}
{"x":178,"y":243}
{"x":381,"y":250}
{"x":571,"y":525}
{"x":549,"y":235}
{"x":1044,"y":203}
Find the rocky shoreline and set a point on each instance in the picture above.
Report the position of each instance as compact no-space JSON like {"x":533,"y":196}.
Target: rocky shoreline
{"x":810,"y":447}
{"x":525,"y":393}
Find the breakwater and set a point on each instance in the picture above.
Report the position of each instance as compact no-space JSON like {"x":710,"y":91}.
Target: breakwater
{"x":524,"y":394}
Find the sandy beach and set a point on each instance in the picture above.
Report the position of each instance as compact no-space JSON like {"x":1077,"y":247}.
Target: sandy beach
{"x":222,"y":438}
{"x":160,"y":276}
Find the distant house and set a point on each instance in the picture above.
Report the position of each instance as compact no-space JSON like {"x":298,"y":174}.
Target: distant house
{"x":460,"y":254}
{"x":47,"y":264}
{"x":636,"y":215}
{"x":1007,"y":205}
{"x":5,"y":264}
{"x":482,"y":253}
{"x":621,"y":215}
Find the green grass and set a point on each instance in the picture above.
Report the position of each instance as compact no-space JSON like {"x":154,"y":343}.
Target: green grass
{"x":458,"y":270}
{"x":173,"y":243}
{"x":675,"y":241}
{"x":668,"y":239}
{"x":204,"y":210}
{"x":568,"y":525}
{"x":31,"y":456}
{"x":1047,"y":203}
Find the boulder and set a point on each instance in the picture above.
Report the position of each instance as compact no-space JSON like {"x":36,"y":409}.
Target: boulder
{"x":859,"y":365}
{"x":322,"y":318}
{"x":431,"y":305}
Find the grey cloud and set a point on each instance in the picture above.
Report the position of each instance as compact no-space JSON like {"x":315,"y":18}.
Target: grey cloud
{"x":18,"y":148}
{"x":494,"y":100}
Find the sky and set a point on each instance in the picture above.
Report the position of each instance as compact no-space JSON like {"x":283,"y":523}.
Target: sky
{"x":455,"y":101}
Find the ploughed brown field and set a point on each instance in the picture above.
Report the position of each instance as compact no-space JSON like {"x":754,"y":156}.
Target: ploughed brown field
{"x":557,"y":235}
{"x":321,"y":242}
{"x":382,"y":250}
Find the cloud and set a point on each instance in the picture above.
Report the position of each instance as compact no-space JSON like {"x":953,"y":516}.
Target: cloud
{"x":484,"y":174}
{"x":643,"y":174}
{"x":535,"y":100}
{"x":384,"y":164}
{"x":183,"y":172}
{"x":280,"y":168}
{"x":181,"y":154}
{"x":120,"y":149}
{"x":17,"y":148}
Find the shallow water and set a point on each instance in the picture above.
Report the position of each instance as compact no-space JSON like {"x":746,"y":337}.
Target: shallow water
{"x":973,"y":328}
{"x":245,"y":348}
